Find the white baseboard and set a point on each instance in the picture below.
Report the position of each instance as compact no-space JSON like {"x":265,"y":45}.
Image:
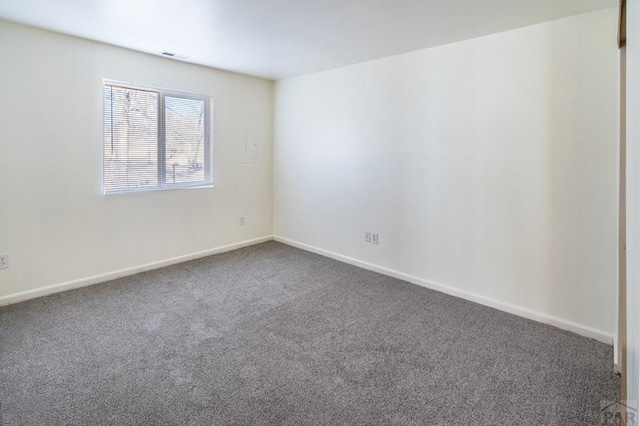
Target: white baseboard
{"x":84,"y":282}
{"x":580,"y":329}
{"x":616,"y":368}
{"x":483,"y":300}
{"x":616,"y":360}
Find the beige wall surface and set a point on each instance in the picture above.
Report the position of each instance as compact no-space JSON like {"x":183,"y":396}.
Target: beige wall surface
{"x":55,"y":222}
{"x":488,"y":167}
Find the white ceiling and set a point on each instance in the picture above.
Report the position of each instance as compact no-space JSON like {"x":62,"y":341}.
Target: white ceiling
{"x":275,"y":39}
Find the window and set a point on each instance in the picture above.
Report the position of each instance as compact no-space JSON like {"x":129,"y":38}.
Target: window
{"x":155,"y":139}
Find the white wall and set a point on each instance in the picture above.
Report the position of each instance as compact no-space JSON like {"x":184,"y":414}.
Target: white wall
{"x":55,"y":222}
{"x":633,"y":204}
{"x":488,"y":167}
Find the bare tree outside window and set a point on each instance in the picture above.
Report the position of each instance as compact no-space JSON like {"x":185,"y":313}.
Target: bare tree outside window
{"x":184,"y":139}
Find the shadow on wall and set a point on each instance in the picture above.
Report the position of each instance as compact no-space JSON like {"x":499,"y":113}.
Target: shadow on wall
{"x":582,"y":154}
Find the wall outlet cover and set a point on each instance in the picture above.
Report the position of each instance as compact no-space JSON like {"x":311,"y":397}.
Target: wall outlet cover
{"x":4,"y":261}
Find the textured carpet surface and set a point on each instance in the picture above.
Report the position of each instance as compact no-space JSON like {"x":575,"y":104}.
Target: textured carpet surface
{"x":272,"y":335}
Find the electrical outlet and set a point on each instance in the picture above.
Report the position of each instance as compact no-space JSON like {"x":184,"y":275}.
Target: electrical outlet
{"x":242,"y":220}
{"x":367,"y":236}
{"x":4,"y":261}
{"x":374,"y":238}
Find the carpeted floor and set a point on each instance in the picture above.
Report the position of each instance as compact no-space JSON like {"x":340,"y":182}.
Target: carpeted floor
{"x":272,"y":335}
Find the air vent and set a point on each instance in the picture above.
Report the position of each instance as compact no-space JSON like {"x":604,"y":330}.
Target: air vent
{"x":174,"y":55}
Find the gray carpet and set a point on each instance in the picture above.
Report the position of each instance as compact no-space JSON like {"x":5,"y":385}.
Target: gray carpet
{"x":272,"y":335}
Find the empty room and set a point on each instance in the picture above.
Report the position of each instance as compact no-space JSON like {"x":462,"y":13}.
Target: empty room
{"x":319,"y":212}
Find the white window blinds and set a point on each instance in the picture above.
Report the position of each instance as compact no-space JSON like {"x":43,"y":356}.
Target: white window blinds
{"x":155,"y":139}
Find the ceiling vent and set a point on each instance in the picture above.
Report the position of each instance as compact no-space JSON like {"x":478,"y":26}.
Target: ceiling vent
{"x":174,"y":55}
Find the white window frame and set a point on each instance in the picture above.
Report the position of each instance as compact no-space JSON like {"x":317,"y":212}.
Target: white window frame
{"x":208,"y":139}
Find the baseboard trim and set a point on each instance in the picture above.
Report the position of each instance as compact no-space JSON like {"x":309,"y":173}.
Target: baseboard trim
{"x":96,"y":279}
{"x":616,"y":360}
{"x":452,"y":291}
